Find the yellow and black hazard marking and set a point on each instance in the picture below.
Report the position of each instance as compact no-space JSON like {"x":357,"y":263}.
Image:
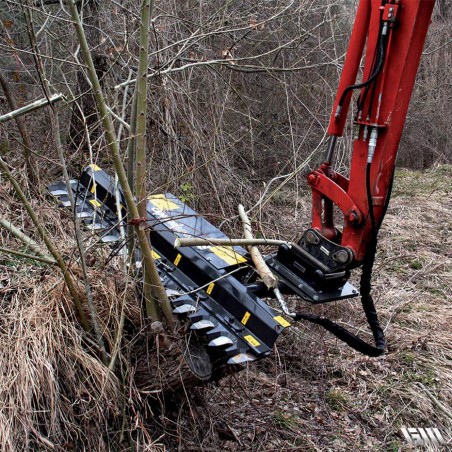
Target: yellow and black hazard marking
{"x":282,"y":321}
{"x":177,"y":260}
{"x":252,"y":340}
{"x":246,"y":317}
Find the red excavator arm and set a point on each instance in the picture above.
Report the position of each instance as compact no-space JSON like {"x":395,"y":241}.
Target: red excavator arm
{"x":318,"y":267}
{"x":395,"y":32}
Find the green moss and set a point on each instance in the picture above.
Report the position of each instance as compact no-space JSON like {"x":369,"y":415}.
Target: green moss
{"x":416,"y":265}
{"x":425,"y":377}
{"x":393,"y":446}
{"x":336,"y":399}
{"x":407,"y":357}
{"x":284,"y":419}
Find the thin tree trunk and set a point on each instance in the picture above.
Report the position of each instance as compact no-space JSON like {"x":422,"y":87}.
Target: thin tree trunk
{"x":140,"y":142}
{"x":30,"y":163}
{"x":84,"y":115}
{"x":113,"y":145}
{"x":49,"y":244}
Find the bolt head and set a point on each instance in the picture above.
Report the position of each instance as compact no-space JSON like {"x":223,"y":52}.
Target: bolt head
{"x":341,"y":256}
{"x":311,"y":238}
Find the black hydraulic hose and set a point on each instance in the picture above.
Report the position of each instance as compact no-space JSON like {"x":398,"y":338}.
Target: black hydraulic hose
{"x":379,"y":66}
{"x":344,"y":335}
{"x":367,"y":302}
{"x":369,"y":200}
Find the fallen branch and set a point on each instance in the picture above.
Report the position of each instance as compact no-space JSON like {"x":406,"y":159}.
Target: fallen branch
{"x":197,"y":241}
{"x":267,"y":276}
{"x":34,"y":246}
{"x":46,"y":260}
{"x":441,"y":406}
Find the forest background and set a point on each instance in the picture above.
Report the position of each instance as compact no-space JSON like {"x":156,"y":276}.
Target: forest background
{"x":238,"y":96}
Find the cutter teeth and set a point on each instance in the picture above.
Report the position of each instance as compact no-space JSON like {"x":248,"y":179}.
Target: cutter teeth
{"x":172,"y":293}
{"x":184,"y":309}
{"x":202,"y":325}
{"x":67,"y":203}
{"x":97,"y":226}
{"x":109,"y":238}
{"x":59,"y":192}
{"x":84,"y":214}
{"x":241,"y":358}
{"x":220,"y":341}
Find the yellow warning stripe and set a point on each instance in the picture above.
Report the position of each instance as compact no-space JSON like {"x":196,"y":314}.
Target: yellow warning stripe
{"x":155,"y":255}
{"x":177,"y":260}
{"x":252,"y":340}
{"x":94,"y":167}
{"x":282,"y":321}
{"x":210,"y":288}
{"x":95,"y":203}
{"x":162,"y":202}
{"x":246,"y":317}
{"x":228,"y":254}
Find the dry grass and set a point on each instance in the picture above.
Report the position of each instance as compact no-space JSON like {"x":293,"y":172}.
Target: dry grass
{"x":317,"y":394}
{"x":314,"y":393}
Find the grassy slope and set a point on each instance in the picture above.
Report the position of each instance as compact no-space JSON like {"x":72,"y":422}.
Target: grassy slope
{"x":315,"y":393}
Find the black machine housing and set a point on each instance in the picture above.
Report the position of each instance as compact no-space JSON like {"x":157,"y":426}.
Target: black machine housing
{"x":213,"y":288}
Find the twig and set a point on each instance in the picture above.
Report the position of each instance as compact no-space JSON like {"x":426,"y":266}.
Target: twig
{"x":46,"y":260}
{"x":442,"y":407}
{"x":197,"y":241}
{"x":34,"y":246}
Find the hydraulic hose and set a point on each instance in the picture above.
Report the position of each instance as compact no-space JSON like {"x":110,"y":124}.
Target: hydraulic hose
{"x":381,"y":49}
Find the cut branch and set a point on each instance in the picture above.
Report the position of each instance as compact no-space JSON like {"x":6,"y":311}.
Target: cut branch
{"x":31,"y":107}
{"x":268,"y":278}
{"x":181,"y":242}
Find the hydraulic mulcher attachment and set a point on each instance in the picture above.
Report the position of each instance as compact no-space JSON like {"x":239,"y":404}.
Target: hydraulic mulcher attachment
{"x":215,"y":288}
{"x":204,"y":283}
